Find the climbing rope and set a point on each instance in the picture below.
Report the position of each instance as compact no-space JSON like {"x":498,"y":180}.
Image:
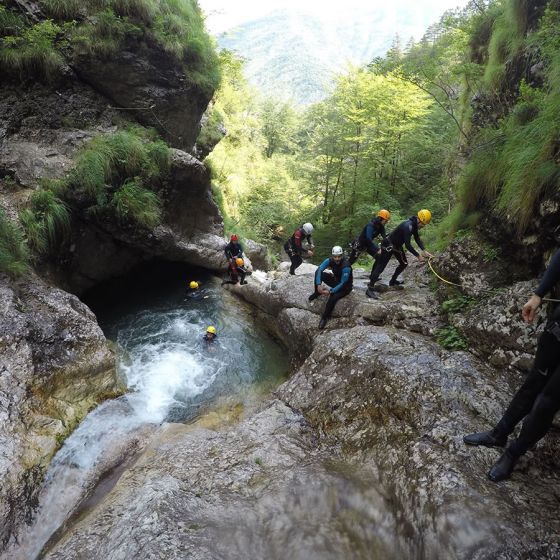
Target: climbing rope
{"x":459,"y":285}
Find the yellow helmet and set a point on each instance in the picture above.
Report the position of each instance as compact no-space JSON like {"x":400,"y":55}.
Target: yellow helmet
{"x":425,"y":216}
{"x":239,"y":261}
{"x":193,"y":285}
{"x":385,"y":214}
{"x":211,"y":330}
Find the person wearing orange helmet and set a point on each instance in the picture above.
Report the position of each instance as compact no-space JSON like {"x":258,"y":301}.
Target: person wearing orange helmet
{"x":236,"y":263}
{"x":393,"y":245}
{"x":365,"y":241}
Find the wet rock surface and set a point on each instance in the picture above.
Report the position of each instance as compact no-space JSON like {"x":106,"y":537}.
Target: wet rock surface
{"x":55,"y":366}
{"x":358,"y":455}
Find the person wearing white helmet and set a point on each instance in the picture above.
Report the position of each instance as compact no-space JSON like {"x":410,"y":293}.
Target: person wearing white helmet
{"x":294,"y":246}
{"x":339,"y":280}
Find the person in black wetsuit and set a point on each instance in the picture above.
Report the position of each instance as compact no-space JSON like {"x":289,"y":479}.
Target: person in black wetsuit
{"x":294,"y":246}
{"x":234,"y":255}
{"x":339,"y":282}
{"x":538,"y":399}
{"x":193,"y":291}
{"x":375,"y":227}
{"x":393,"y":244}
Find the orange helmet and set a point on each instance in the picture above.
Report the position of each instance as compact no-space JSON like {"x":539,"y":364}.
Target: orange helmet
{"x":239,"y":261}
{"x":384,"y":214}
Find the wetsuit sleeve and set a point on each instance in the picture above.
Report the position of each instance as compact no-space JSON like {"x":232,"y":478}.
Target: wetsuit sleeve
{"x":551,"y":276}
{"x":382,"y":231}
{"x":344,"y":278}
{"x":407,"y":236}
{"x":418,"y":240}
{"x":369,"y":238}
{"x":227,"y":251}
{"x":323,"y":266}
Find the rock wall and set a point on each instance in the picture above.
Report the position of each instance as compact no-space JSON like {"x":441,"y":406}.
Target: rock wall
{"x":55,"y":366}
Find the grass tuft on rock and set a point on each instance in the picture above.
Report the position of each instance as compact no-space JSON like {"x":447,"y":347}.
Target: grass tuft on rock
{"x":133,"y":203}
{"x":46,"y":221}
{"x":14,"y":254}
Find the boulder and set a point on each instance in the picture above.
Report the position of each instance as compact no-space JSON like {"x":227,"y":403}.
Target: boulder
{"x":258,"y":255}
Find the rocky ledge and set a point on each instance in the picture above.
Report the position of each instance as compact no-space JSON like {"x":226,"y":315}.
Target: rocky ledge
{"x":358,"y":455}
{"x":55,"y":366}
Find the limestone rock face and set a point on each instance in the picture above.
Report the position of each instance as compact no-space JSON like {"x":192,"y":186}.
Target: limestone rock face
{"x":192,"y":232}
{"x":152,"y":85}
{"x":399,"y":404}
{"x":478,"y":267}
{"x":495,"y":330}
{"x":55,"y":366}
{"x":258,"y":254}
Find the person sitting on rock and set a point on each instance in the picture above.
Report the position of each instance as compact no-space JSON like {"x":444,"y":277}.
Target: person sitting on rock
{"x":538,"y":399}
{"x":237,"y":272}
{"x":234,"y":255}
{"x":339,"y":279}
{"x":294,"y":246}
{"x":193,"y":291}
{"x":392,"y":245}
{"x":365,"y":241}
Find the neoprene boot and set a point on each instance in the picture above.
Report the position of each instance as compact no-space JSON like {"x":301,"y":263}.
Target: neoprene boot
{"x":488,"y":439}
{"x":322,"y":323}
{"x":313,"y":296}
{"x":371,"y":293}
{"x":292,"y":271}
{"x":396,"y":283}
{"x":503,"y":467}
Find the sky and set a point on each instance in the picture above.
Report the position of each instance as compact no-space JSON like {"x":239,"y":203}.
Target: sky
{"x":222,"y":15}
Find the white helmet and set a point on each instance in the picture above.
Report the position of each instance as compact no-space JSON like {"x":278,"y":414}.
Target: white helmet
{"x":337,"y":251}
{"x":307,"y":228}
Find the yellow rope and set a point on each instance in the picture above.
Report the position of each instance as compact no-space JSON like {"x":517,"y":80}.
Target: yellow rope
{"x":440,"y":277}
{"x":459,"y":285}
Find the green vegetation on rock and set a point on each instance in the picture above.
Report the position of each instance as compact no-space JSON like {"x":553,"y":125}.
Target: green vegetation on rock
{"x":14,"y":255}
{"x":46,"y":220}
{"x":102,"y":28}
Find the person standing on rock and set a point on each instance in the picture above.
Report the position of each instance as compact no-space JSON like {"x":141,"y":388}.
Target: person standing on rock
{"x":538,"y":399}
{"x":234,"y":255}
{"x":339,"y":281}
{"x":365,"y":241}
{"x":294,"y":246}
{"x":393,"y":245}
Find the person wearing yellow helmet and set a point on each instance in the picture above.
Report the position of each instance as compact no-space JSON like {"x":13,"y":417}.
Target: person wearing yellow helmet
{"x":210,"y":334}
{"x":365,"y":241}
{"x":193,"y":291}
{"x":393,"y":245}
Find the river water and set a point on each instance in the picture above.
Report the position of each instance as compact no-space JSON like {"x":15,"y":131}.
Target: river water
{"x":171,"y":374}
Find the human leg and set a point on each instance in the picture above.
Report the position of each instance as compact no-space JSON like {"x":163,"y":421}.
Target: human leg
{"x":400,"y":255}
